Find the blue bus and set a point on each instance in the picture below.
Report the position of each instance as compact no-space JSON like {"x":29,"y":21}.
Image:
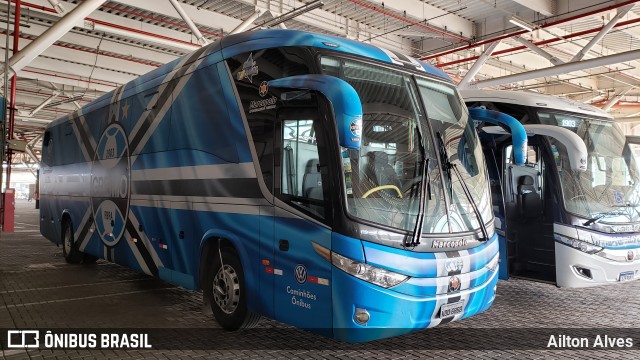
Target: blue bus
{"x":325,"y":183}
{"x":569,"y":216}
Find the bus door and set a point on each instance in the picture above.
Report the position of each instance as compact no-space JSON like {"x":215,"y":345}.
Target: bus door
{"x":302,"y":233}
{"x":530,"y":244}
{"x":493,"y":159}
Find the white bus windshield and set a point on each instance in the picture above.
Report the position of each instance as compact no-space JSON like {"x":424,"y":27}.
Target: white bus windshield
{"x":383,"y":178}
{"x":609,"y":191}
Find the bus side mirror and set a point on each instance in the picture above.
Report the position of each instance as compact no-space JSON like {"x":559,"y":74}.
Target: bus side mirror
{"x":344,"y":100}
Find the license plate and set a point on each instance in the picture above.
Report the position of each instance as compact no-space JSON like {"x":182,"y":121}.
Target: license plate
{"x":626,"y":276}
{"x":449,"y":310}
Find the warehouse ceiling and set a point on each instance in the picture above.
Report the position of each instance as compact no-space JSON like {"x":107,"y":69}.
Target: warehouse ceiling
{"x":583,"y":49}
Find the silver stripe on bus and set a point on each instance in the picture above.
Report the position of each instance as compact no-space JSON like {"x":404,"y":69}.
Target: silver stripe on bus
{"x":80,"y":227}
{"x":221,"y":171}
{"x":149,"y":199}
{"x":466,"y":262}
{"x":86,"y":131}
{"x":114,"y":108}
{"x":208,"y":207}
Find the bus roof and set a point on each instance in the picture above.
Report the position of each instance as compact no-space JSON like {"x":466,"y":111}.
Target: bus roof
{"x":236,"y":44}
{"x":529,"y":98}
{"x":262,"y":39}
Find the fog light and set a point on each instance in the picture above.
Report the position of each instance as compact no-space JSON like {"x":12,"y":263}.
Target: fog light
{"x":586,"y":273}
{"x":361,"y":317}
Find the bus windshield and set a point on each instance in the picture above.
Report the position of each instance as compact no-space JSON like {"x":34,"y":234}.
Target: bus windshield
{"x":609,"y":191}
{"x":384,"y":176}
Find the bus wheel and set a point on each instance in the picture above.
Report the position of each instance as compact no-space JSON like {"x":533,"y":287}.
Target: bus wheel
{"x":69,"y":247}
{"x":226,"y":288}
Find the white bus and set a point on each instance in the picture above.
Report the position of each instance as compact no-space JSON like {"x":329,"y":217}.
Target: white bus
{"x":574,"y":228}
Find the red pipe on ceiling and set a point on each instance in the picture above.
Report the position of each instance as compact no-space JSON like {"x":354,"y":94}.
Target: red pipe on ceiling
{"x":409,"y":21}
{"x":43,"y":8}
{"x":134,"y":13}
{"x":538,"y":43}
{"x":113,"y":85}
{"x":550,"y":24}
{"x":115,"y":56}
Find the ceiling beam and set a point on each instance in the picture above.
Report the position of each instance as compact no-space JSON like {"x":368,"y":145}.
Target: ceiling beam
{"x":560,"y":69}
{"x":117,"y":21}
{"x":26,"y":55}
{"x":198,"y":16}
{"x":194,"y":29}
{"x":604,"y":31}
{"x":538,"y":50}
{"x":544,"y":7}
{"x":475,"y":68}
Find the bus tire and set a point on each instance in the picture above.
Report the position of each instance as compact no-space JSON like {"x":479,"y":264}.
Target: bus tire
{"x":69,"y":247}
{"x":225,"y":287}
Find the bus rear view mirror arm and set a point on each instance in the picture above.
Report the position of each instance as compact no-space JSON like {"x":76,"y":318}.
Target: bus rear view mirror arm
{"x":518,"y":133}
{"x":343,"y":98}
{"x":576,"y":148}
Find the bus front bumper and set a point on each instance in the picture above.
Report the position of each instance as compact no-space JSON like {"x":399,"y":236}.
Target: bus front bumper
{"x":575,"y":268}
{"x":391,"y":313}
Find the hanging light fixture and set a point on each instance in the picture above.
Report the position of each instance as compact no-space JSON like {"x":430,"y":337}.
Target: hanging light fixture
{"x":522,"y":23}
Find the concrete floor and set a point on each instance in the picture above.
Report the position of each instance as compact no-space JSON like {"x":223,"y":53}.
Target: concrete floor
{"x":38,"y":290}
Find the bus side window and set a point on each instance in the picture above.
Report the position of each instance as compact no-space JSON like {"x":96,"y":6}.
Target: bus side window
{"x":46,"y":148}
{"x":262,"y":131}
{"x":301,"y":181}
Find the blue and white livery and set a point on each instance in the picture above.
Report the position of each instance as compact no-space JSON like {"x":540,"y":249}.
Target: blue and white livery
{"x":325,"y":183}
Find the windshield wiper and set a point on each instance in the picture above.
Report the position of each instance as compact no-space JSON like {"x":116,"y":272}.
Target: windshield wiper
{"x":448,"y":166}
{"x":603,"y":215}
{"x":424,"y":183}
{"x":444,"y":158}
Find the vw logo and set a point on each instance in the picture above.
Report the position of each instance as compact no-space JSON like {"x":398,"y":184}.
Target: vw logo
{"x":301,"y":274}
{"x":630,"y":255}
{"x":454,"y":283}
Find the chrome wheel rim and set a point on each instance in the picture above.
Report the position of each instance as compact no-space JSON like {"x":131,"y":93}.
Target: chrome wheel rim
{"x":67,"y":240}
{"x":226,"y":289}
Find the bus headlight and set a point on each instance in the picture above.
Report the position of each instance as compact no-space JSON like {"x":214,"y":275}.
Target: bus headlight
{"x":372,"y":274}
{"x":577,"y":244}
{"x":493,"y":264}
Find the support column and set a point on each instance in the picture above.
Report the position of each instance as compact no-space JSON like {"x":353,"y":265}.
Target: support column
{"x":14,"y":80}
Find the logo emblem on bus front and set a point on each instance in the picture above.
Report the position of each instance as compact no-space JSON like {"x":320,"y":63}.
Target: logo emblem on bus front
{"x":454,"y":265}
{"x":301,"y":274}
{"x":249,"y":69}
{"x":630,"y":255}
{"x":263,"y":89}
{"x":454,"y":283}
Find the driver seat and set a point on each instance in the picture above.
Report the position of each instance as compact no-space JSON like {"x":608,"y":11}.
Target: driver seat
{"x":380,"y":171}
